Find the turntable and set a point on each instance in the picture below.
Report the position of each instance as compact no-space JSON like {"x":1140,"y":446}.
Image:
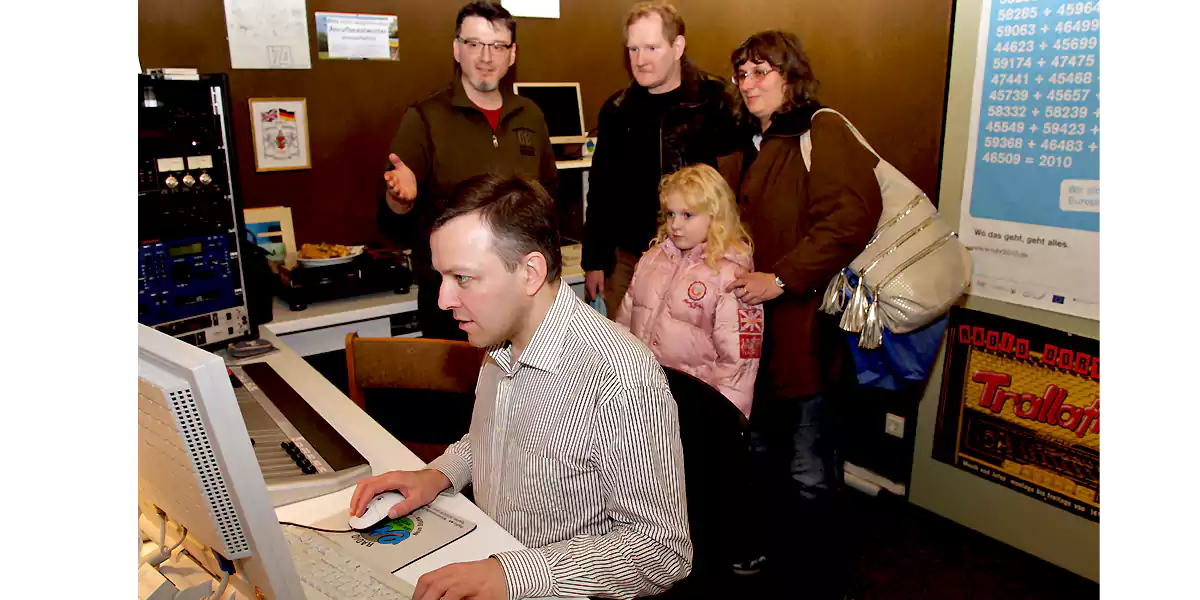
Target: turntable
{"x":373,"y":270}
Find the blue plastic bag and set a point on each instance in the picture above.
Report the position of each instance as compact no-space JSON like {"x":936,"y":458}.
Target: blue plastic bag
{"x":902,"y":360}
{"x":598,"y":304}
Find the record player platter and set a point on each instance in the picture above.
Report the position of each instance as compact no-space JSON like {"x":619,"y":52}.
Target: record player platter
{"x":369,"y":272}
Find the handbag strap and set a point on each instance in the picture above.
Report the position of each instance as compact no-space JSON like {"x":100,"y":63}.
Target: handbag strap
{"x":806,"y":139}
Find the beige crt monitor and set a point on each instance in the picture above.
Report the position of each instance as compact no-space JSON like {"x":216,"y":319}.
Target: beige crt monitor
{"x":562,"y":105}
{"x":196,"y":465}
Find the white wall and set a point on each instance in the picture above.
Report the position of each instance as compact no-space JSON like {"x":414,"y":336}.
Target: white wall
{"x":1036,"y":527}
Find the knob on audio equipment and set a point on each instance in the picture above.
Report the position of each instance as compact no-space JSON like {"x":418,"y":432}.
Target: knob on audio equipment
{"x":205,"y":179}
{"x":188,"y":180}
{"x":172,"y":182}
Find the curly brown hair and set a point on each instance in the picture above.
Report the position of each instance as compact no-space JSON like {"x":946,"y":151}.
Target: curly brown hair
{"x":784,"y":52}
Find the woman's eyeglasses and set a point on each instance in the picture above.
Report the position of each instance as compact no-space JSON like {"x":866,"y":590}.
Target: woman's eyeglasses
{"x":755,"y":75}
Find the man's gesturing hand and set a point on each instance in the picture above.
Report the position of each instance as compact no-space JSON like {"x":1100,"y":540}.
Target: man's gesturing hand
{"x":401,"y":186}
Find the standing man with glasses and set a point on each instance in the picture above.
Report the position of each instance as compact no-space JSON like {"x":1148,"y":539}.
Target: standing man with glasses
{"x":672,"y":115}
{"x":473,"y":126}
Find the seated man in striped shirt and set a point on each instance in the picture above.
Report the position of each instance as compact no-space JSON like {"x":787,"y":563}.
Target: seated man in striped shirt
{"x":574,"y":442}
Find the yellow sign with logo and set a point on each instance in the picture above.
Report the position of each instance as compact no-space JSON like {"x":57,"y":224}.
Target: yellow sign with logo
{"x":1020,"y":406}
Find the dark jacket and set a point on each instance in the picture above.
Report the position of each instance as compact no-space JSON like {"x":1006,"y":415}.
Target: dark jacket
{"x":805,"y":227}
{"x":622,"y":202}
{"x":446,"y":139}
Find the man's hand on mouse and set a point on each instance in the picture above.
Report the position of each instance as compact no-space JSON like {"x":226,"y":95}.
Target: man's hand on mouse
{"x":478,"y":580}
{"x":419,"y":488}
{"x":401,"y":186}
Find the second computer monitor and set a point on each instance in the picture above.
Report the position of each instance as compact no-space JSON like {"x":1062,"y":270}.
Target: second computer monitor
{"x":563,"y":106}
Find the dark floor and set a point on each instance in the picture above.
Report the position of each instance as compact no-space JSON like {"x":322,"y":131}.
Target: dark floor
{"x":905,"y":552}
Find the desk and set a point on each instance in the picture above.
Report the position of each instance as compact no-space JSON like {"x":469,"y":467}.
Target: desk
{"x":578,"y":163}
{"x":384,"y":453}
{"x":322,"y":327}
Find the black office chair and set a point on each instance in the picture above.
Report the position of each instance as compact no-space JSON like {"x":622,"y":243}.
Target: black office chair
{"x":716,"y":461}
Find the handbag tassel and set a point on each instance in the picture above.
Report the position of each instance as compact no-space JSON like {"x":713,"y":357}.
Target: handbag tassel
{"x":856,"y":311}
{"x":872,"y":330}
{"x":835,"y":294}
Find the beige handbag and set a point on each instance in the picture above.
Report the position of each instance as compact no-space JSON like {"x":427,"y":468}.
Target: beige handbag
{"x":910,"y":272}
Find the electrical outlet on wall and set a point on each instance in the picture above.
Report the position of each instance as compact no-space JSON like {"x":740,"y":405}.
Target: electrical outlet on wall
{"x":894,"y":425}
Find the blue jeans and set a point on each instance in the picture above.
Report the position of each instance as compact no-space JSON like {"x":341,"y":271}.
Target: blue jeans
{"x":791,"y":444}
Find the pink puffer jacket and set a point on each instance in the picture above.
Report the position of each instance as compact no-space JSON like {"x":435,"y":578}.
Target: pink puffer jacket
{"x":678,"y":306}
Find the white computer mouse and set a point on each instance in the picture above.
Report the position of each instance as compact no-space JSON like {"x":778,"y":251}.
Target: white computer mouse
{"x":377,"y":510}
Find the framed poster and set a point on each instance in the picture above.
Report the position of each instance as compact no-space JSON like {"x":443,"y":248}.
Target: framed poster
{"x":280,"y":134}
{"x":1020,"y":407}
{"x":272,"y":230}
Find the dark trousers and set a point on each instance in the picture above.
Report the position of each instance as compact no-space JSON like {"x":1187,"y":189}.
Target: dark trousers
{"x":435,"y":322}
{"x":793,"y":451}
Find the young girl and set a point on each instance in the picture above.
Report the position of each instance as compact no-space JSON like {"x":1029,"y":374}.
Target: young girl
{"x":677,"y":303}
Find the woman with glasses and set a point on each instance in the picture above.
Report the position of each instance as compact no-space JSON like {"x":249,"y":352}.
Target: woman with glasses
{"x":806,"y":225}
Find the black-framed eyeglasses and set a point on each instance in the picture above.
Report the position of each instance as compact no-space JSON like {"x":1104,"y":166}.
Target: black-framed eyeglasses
{"x":478,"y":46}
{"x":755,"y":75}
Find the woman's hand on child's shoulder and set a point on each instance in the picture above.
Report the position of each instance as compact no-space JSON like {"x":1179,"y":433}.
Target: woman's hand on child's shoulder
{"x":755,"y":288}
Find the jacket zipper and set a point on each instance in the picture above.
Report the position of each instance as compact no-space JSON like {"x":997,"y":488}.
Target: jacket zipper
{"x":665,"y":299}
{"x":495,"y":140}
{"x":662,"y":120}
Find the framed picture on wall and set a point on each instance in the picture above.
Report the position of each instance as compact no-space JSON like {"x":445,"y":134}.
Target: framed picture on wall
{"x":272,"y":230}
{"x":280,"y":134}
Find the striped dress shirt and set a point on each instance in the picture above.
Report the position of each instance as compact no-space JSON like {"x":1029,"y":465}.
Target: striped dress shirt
{"x":574,"y":449}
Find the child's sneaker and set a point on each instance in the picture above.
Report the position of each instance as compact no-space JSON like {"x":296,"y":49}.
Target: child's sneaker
{"x":749,"y":567}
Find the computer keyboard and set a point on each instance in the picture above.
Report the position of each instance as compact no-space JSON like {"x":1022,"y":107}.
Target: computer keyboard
{"x":326,"y":568}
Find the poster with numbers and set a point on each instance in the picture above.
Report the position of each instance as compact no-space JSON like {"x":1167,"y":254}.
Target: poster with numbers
{"x":1031,"y":197}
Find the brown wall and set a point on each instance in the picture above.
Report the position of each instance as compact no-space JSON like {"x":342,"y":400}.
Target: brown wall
{"x":883,"y":63}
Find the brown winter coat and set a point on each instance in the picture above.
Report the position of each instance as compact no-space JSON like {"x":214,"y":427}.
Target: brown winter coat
{"x":805,"y":226}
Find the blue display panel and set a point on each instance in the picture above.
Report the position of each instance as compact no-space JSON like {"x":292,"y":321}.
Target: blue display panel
{"x":184,"y":278}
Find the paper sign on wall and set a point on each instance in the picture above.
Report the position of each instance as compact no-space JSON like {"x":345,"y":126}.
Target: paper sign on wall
{"x":267,"y":34}
{"x":546,"y":9}
{"x":357,"y":36}
{"x":1031,"y":197}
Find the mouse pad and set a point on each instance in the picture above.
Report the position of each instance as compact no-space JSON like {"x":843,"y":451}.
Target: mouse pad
{"x":395,"y":543}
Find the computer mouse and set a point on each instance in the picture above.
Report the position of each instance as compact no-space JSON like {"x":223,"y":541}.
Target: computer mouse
{"x":377,"y":510}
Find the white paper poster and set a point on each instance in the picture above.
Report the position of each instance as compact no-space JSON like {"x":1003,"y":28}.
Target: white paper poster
{"x":1031,"y":198}
{"x":357,"y":36}
{"x":546,"y":9}
{"x":267,"y":34}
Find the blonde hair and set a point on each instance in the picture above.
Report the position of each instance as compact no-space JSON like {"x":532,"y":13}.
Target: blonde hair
{"x":704,"y":191}
{"x":672,"y":22}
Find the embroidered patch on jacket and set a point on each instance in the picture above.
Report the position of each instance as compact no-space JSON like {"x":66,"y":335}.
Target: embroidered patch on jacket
{"x":750,"y":320}
{"x":750,"y":332}
{"x":750,"y":345}
{"x":525,"y":137}
{"x":696,"y":293}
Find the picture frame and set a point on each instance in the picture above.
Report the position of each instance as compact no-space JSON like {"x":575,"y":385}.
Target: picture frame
{"x":272,"y":230}
{"x":279,"y":132}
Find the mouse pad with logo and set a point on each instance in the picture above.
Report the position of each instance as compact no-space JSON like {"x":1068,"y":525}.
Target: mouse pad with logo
{"x":395,"y":543}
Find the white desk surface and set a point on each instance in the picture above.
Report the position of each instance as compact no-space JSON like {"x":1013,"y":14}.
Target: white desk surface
{"x":366,"y":307}
{"x":578,"y":163}
{"x":385,"y":453}
{"x":337,"y":312}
